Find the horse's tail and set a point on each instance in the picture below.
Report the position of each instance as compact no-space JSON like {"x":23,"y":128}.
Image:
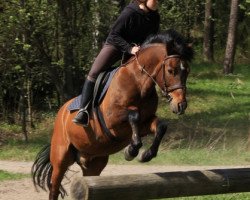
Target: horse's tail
{"x":42,"y":170}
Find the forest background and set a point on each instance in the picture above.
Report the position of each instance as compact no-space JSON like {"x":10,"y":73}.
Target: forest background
{"x":47,"y":47}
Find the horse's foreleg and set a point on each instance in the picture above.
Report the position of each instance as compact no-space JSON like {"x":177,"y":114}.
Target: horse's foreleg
{"x":132,"y":150}
{"x":160,"y":128}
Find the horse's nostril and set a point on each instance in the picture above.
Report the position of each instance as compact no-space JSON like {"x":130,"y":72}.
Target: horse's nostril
{"x":182,"y":106}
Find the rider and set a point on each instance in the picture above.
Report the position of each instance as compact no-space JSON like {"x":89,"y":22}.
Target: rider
{"x":138,"y":20}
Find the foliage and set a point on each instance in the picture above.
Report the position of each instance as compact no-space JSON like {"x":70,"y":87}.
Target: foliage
{"x":180,"y":15}
{"x":47,"y":47}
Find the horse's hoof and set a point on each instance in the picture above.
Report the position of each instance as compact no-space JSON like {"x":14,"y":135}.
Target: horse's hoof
{"x":145,"y":156}
{"x":127,"y":156}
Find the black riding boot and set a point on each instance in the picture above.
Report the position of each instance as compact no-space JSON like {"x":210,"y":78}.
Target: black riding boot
{"x":82,"y":117}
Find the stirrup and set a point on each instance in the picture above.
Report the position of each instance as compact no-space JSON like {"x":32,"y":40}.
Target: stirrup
{"x":80,"y":119}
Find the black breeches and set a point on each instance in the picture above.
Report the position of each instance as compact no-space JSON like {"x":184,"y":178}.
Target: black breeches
{"x":107,"y":57}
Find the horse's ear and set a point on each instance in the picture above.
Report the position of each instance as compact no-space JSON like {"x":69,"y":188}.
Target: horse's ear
{"x":189,"y":52}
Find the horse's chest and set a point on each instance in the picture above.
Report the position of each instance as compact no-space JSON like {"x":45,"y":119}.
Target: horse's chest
{"x":148,"y":106}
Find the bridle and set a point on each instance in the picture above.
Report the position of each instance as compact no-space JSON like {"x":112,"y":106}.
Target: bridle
{"x":166,"y":89}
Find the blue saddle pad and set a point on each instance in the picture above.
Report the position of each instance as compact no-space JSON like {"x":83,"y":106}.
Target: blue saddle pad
{"x":75,"y":104}
{"x":102,"y":85}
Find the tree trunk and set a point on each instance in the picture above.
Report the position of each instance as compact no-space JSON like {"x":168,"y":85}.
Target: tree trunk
{"x":23,"y":96}
{"x":66,"y":15}
{"x":231,"y":38}
{"x":208,"y":32}
{"x":29,"y":103}
{"x":23,"y":115}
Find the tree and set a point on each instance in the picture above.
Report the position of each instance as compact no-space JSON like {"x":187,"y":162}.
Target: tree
{"x":66,"y":12}
{"x":47,"y":47}
{"x":181,"y":15}
{"x":231,"y":38}
{"x":208,"y":32}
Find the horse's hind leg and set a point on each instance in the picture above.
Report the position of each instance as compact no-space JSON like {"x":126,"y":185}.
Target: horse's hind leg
{"x":62,"y":156}
{"x":159,"y":127}
{"x":132,"y":150}
{"x":93,"y":166}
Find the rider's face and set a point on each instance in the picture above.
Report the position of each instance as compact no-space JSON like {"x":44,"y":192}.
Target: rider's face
{"x":152,"y":4}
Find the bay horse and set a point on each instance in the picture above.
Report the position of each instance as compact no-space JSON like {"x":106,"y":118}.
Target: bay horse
{"x":129,"y":111}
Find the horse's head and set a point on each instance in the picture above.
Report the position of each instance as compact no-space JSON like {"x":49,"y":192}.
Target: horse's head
{"x":172,"y":81}
{"x":172,"y":69}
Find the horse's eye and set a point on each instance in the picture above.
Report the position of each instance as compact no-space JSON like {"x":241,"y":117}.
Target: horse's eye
{"x":170,"y":71}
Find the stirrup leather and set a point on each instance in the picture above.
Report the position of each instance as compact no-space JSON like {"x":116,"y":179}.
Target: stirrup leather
{"x":80,"y":121}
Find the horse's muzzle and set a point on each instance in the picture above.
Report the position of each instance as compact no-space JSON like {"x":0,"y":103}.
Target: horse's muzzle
{"x":180,"y":108}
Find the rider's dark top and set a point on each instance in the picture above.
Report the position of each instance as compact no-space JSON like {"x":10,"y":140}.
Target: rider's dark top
{"x":132,"y":27}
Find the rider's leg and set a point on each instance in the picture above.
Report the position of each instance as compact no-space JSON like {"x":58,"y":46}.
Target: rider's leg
{"x":105,"y":59}
{"x":82,"y":117}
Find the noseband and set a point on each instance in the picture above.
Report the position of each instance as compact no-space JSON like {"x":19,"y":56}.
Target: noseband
{"x":167,"y":89}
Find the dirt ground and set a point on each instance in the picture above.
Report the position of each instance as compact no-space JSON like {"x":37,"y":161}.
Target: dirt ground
{"x":24,"y":190}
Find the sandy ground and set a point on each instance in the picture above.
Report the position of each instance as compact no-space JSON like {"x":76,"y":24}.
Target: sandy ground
{"x":24,"y":189}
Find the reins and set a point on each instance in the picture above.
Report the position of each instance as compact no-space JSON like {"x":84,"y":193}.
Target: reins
{"x":167,"y":89}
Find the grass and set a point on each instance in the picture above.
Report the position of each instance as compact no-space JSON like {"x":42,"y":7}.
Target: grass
{"x":214,"y":130}
{"x":216,"y":126}
{"x":199,"y":157}
{"x":14,"y":148}
{"x":218,"y":114}
{"x":11,"y":176}
{"x":19,"y":151}
{"x":236,"y":196}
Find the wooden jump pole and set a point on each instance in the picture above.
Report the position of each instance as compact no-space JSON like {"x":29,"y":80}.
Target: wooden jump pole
{"x":161,"y":185}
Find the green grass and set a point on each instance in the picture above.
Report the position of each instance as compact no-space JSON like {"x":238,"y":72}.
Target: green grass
{"x":11,"y":176}
{"x":213,"y":131}
{"x":17,"y":149}
{"x":199,"y":157}
{"x":219,"y":108}
{"x":216,"y":126}
{"x":236,"y":196}
{"x":20,"y":151}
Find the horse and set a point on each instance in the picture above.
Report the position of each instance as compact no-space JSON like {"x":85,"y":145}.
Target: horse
{"x":129,"y":112}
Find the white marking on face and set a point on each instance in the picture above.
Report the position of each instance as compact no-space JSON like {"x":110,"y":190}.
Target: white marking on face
{"x":182,"y":66}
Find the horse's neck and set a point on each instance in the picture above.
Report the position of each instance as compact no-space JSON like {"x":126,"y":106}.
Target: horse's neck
{"x":146,"y":65}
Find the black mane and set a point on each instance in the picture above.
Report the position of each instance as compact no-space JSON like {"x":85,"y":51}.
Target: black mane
{"x":175,"y":42}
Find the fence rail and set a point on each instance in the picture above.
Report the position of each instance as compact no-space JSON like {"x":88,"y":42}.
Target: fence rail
{"x":161,"y":185}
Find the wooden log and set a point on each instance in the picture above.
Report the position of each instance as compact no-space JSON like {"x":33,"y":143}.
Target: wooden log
{"x":161,"y":185}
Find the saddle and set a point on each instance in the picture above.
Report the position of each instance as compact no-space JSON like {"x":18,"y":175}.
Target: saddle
{"x":101,"y":86}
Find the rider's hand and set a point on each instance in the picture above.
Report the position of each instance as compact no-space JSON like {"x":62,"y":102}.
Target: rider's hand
{"x":135,"y":49}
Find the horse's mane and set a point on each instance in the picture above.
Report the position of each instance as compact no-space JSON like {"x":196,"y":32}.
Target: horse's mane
{"x":174,"y":41}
